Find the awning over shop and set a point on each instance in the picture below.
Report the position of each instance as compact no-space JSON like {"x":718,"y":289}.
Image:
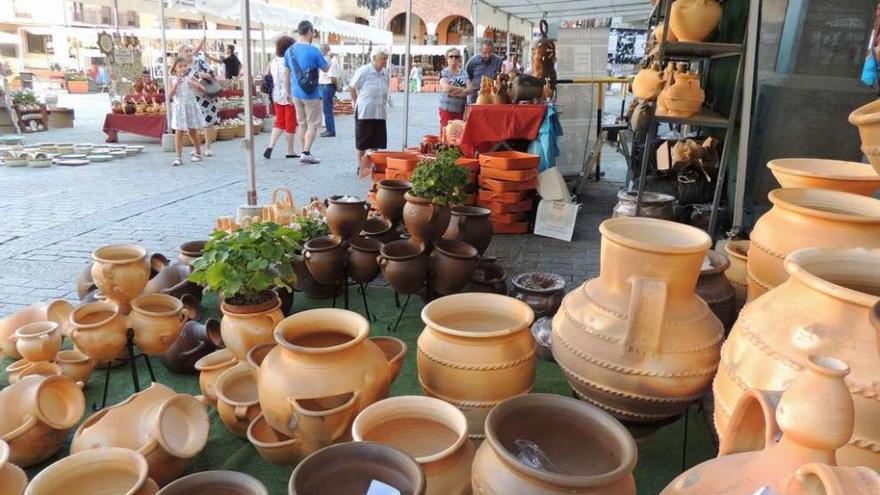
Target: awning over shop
{"x":416,"y":50}
{"x":490,"y":16}
{"x":170,"y":34}
{"x":558,"y":10}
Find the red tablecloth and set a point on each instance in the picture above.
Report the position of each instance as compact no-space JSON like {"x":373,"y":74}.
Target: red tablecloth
{"x":228,"y":113}
{"x":154,"y":125}
{"x":488,"y":124}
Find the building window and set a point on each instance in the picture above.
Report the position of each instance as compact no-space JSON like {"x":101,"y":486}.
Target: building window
{"x":37,"y":43}
{"x":7,"y":51}
{"x":132,"y":19}
{"x":106,"y":15}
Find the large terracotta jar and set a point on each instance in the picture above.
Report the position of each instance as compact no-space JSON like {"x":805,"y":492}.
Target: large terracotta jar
{"x":637,"y":341}
{"x":822,"y":308}
{"x":13,"y":479}
{"x":101,"y":471}
{"x":648,"y":83}
{"x":685,"y":96}
{"x":857,"y":178}
{"x":867,"y":119}
{"x":822,"y":479}
{"x":765,"y":444}
{"x":346,"y":215}
{"x":452,"y":264}
{"x":56,"y":310}
{"x":244,"y":327}
{"x":167,"y":428}
{"x":803,"y":218}
{"x":404,"y":265}
{"x":425,"y":221}
{"x":433,"y":432}
{"x":470,"y":224}
{"x":551,"y":431}
{"x":216,"y":483}
{"x":390,"y":198}
{"x":35,"y":414}
{"x":737,"y":252}
{"x":157,"y":320}
{"x":716,"y":290}
{"x":475,"y":351}
{"x":323,"y":371}
{"x":121,"y":271}
{"x":694,"y":20}
{"x":99,"y":330}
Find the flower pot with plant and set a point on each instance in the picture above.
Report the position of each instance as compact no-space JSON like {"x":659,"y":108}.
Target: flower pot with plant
{"x":436,"y":185}
{"x":243,"y":267}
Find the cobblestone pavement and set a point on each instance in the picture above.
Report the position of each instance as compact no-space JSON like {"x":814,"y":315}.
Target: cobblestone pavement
{"x":53,"y":218}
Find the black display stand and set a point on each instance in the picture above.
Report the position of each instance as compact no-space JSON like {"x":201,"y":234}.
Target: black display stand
{"x":132,"y":363}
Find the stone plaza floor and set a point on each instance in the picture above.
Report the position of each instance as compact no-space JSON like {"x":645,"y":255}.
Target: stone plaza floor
{"x":53,"y":218}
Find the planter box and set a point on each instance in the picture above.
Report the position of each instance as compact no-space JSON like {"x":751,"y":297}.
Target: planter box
{"x":78,"y":87}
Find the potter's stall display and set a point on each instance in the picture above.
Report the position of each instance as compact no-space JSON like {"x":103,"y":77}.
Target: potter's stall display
{"x":98,"y":471}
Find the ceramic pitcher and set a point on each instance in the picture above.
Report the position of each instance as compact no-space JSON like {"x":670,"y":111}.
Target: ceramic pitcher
{"x":120,"y":271}
{"x":38,"y":341}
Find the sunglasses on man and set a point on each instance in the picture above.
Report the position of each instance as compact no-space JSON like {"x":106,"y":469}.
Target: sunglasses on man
{"x":454,"y":56}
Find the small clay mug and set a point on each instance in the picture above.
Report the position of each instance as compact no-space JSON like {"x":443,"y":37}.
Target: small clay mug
{"x":237,"y":403}
{"x":38,"y":341}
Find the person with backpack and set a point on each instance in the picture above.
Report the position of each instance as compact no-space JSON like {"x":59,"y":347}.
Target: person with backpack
{"x":304,"y":60}
{"x":276,"y":83}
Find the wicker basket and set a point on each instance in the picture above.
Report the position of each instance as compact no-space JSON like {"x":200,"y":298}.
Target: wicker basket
{"x":239,"y":131}
{"x":225,"y":133}
{"x":256,"y":128}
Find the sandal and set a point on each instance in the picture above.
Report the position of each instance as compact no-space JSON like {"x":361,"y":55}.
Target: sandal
{"x":176,"y":162}
{"x":293,"y":155}
{"x":196,"y":158}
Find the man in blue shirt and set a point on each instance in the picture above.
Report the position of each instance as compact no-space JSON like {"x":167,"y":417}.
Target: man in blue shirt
{"x":485,"y":63}
{"x":304,"y":61}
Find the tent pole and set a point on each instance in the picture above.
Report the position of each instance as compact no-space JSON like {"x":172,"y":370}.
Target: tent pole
{"x":476,"y":36}
{"x":164,"y":59}
{"x":406,"y":70}
{"x":507,"y":40}
{"x":248,"y":104}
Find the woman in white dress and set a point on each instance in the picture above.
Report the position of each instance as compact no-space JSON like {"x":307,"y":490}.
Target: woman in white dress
{"x":185,"y":113}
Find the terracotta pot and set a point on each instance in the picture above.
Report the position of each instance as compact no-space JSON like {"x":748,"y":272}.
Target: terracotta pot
{"x":346,"y":215}
{"x":637,"y":341}
{"x":362,"y":463}
{"x":875,"y":320}
{"x":837,"y":175}
{"x":14,"y":370}
{"x":237,"y":403}
{"x":403,"y":161}
{"x":196,"y":340}
{"x":243,"y":327}
{"x":867,"y":119}
{"x":552,"y":430}
{"x":452,"y":264}
{"x":173,"y":280}
{"x":99,"y":330}
{"x":763,"y":449}
{"x":425,"y":221}
{"x":157,"y":320}
{"x":37,"y":412}
{"x":12,"y":479}
{"x":379,"y":228}
{"x":210,"y":368}
{"x":99,"y":471}
{"x":404,"y":265}
{"x":823,"y":307}
{"x":190,"y":251}
{"x":272,"y":445}
{"x":56,"y":310}
{"x":470,"y":224}
{"x":433,"y":432}
{"x":714,"y":288}
{"x":38,"y":341}
{"x":685,"y":96}
{"x":821,"y":479}
{"x":648,"y":83}
{"x":167,"y":428}
{"x":390,"y":198}
{"x":489,"y":276}
{"x":658,"y":34}
{"x":216,"y":483}
{"x":654,"y":205}
{"x":694,"y":20}
{"x":75,"y":365}
{"x":43,"y":368}
{"x":543,"y":292}
{"x":307,"y":284}
{"x":737,"y":252}
{"x":297,"y":398}
{"x":803,"y":218}
{"x":475,"y":351}
{"x":362,"y":264}
{"x":120,"y":271}
{"x":325,"y":259}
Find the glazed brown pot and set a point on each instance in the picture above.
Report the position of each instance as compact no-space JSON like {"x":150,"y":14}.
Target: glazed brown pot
{"x":452,"y":264}
{"x":196,"y":340}
{"x":488,"y":276}
{"x":737,"y":252}
{"x":215,"y":483}
{"x":471,"y":224}
{"x":390,"y":198}
{"x":120,"y":271}
{"x":715,"y":289}
{"x":346,"y":215}
{"x":189,"y":251}
{"x":543,"y":292}
{"x":425,"y":221}
{"x":363,"y":266}
{"x":379,"y":228}
{"x":325,"y":259}
{"x":307,"y":284}
{"x":173,"y":280}
{"x":404,"y":265}
{"x":349,"y":468}
{"x":552,"y":430}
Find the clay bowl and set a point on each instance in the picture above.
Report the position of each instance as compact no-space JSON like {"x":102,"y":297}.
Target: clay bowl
{"x":215,"y":483}
{"x":404,"y":265}
{"x":325,"y":259}
{"x":75,"y":365}
{"x":102,"y":471}
{"x":817,"y":173}
{"x":189,"y":251}
{"x":362,"y":264}
{"x":12,"y":479}
{"x":349,"y":468}
{"x":272,"y":445}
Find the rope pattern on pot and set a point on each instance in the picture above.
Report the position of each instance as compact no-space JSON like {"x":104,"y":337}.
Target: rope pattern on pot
{"x":625,"y":395}
{"x":467,"y":404}
{"x":760,"y":284}
{"x":619,"y":412}
{"x":737,"y":283}
{"x":480,"y":367}
{"x":611,"y":311}
{"x":766,"y":250}
{"x":772,"y":353}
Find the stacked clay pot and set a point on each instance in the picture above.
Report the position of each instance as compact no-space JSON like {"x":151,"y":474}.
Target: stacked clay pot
{"x":404,"y":265}
{"x":56,"y":310}
{"x":648,"y":83}
{"x":716,"y":290}
{"x":99,"y":330}
{"x":13,"y":479}
{"x":96,"y":471}
{"x":684,"y":97}
{"x":346,"y":215}
{"x":452,"y":264}
{"x":852,"y":177}
{"x":244,"y":327}
{"x":694,"y":20}
{"x":121,"y":272}
{"x":425,"y":221}
{"x":822,"y":308}
{"x":737,"y":274}
{"x":157,"y":320}
{"x":551,"y":431}
{"x":867,"y":119}
{"x":475,"y":351}
{"x":363,"y":265}
{"x":803,"y":218}
{"x":637,"y":341}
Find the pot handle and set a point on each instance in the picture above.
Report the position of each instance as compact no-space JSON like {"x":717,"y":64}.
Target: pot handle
{"x":241,"y":412}
{"x":644,"y":323}
{"x":752,"y":424}
{"x":307,"y":254}
{"x":29,"y":422}
{"x":382,"y":261}
{"x":275,"y":319}
{"x":198,"y":348}
{"x":325,"y":426}
{"x":287,"y":197}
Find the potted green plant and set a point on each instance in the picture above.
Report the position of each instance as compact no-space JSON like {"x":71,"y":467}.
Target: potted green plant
{"x":436,"y":185}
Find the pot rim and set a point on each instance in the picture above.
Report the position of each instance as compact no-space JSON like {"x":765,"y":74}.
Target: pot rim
{"x":36,"y":329}
{"x":157,"y":298}
{"x":473,"y":299}
{"x":789,"y":166}
{"x":420,"y":200}
{"x":787,"y":199}
{"x":470,"y":211}
{"x":868,"y":113}
{"x":335,"y":199}
{"x":446,"y":246}
{"x":81,"y":357}
{"x":797,"y":265}
{"x":648,"y":197}
{"x":268,"y":445}
{"x":78,"y":397}
{"x":559,"y":281}
{"x":92,"y":307}
{"x":419,"y":247}
{"x":301,"y":323}
{"x":335,"y":240}
{"x":243,"y":368}
{"x":193,"y":445}
{"x":386,"y":226}
{"x":738,"y":248}
{"x":187,"y":248}
{"x":99,"y":254}
{"x":224,"y":476}
{"x":638,"y":228}
{"x":205,"y":364}
{"x":375,"y":248}
{"x":244,"y":312}
{"x":124,"y":456}
{"x":18,"y":365}
{"x":624,"y":439}
{"x":718,"y":263}
{"x":394,"y":184}
{"x":416,"y":406}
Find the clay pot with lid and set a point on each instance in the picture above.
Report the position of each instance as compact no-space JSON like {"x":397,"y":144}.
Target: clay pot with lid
{"x":637,"y":341}
{"x":157,"y":320}
{"x":210,"y":368}
{"x":196,"y":340}
{"x":35,"y":414}
{"x":237,"y":403}
{"x":433,"y":432}
{"x":324,"y":371}
{"x":867,"y":119}
{"x":648,"y":82}
{"x":470,"y":224}
{"x":694,"y":20}
{"x":542,"y":291}
{"x":475,"y":351}
{"x":120,"y":271}
{"x":75,"y":365}
{"x":714,"y":288}
{"x":452,"y":264}
{"x":853,"y":177}
{"x":243,"y":327}
{"x":38,"y":341}
{"x":190,"y":251}
{"x":346,"y":215}
{"x":803,"y":218}
{"x":99,"y":471}
{"x":216,"y":483}
{"x":404,"y":265}
{"x":167,"y":428}
{"x":363,"y":266}
{"x":425,"y":221}
{"x":821,"y":479}
{"x":325,"y":259}
{"x":551,"y":430}
{"x":361,"y":463}
{"x":685,"y":96}
{"x":390,"y":198}
{"x":737,"y":251}
{"x":13,"y":479}
{"x":56,"y":310}
{"x":654,"y":205}
{"x":824,"y":308}
{"x":99,"y":330}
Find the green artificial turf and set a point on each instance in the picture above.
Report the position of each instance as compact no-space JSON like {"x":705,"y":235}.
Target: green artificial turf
{"x":660,"y":456}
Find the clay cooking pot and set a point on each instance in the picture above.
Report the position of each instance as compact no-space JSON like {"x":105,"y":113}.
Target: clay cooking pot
{"x":210,"y":368}
{"x":471,"y":224}
{"x":325,"y":259}
{"x":390,"y":198}
{"x":714,"y":288}
{"x":737,"y":252}
{"x":56,"y":310}
{"x":488,"y":276}
{"x":120,"y":271}
{"x":38,"y":341}
{"x":452,"y":264}
{"x":237,"y":403}
{"x":543,"y":292}
{"x":157,"y":320}
{"x":346,"y":215}
{"x":100,"y":471}
{"x":425,"y":221}
{"x":404,"y":265}
{"x":189,"y":251}
{"x":99,"y":330}
{"x":196,"y":340}
{"x":838,"y":175}
{"x":243,"y":327}
{"x":867,"y":119}
{"x":216,"y":483}
{"x":75,"y":365}
{"x":363,"y":266}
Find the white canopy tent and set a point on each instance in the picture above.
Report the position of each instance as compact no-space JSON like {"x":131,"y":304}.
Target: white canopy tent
{"x":559,"y":10}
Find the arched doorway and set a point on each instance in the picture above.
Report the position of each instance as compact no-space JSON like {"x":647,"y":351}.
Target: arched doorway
{"x":455,"y":30}
{"x":397,"y":26}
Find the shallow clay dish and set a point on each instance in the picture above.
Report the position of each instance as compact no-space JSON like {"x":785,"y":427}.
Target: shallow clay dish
{"x":72,"y":163}
{"x":100,"y":158}
{"x":838,"y":175}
